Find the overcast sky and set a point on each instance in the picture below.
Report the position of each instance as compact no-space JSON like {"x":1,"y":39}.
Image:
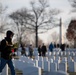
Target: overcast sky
{"x":17,"y":4}
{"x":63,"y":5}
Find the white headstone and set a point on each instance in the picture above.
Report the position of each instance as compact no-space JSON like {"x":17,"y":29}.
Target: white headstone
{"x":51,"y":60}
{"x":63,"y":67}
{"x":40,"y":58}
{"x":72,"y":66}
{"x":32,"y":71}
{"x":5,"y":70}
{"x":36,"y":63}
{"x":69,"y":59}
{"x":37,"y":57}
{"x":53,"y":66}
{"x":74,"y":58}
{"x":41,"y":64}
{"x":45,"y":58}
{"x":64,"y":60}
{"x":46,"y":66}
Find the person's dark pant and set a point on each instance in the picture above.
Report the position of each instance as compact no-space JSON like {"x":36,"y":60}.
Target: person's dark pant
{"x":43,"y":53}
{"x":31,"y":53}
{"x":3,"y":62}
{"x":39,"y":53}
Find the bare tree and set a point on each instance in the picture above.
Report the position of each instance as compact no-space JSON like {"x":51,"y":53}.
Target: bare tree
{"x":38,"y":19}
{"x":71,"y":32}
{"x":73,"y":4}
{"x":19,"y":24}
{"x":3,"y":22}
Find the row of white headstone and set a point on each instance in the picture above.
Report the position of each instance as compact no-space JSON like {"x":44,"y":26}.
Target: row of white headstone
{"x":34,"y":66}
{"x":43,"y":60}
{"x":54,"y":61}
{"x":61,"y":53}
{"x":56,"y":51}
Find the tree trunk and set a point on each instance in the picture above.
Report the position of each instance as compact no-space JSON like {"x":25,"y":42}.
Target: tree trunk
{"x":36,"y":42}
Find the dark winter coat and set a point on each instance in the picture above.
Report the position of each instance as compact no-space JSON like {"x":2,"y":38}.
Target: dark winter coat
{"x":43,"y":49}
{"x":6,"y":48}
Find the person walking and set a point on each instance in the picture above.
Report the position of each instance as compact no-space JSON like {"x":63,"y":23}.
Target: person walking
{"x":43,"y":49}
{"x":31,"y":50}
{"x":51,"y":46}
{"x":6,"y":47}
{"x":39,"y":50}
{"x":23,"y":50}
